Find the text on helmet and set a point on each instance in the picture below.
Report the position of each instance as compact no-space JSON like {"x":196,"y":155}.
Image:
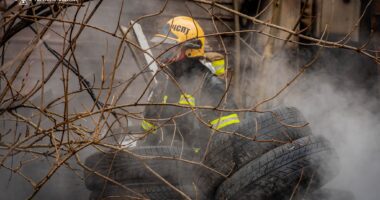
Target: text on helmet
{"x":180,"y":28}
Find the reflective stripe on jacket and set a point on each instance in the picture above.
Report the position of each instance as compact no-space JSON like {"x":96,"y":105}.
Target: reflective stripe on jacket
{"x":224,"y":121}
{"x":147,"y":126}
{"x":187,"y":99}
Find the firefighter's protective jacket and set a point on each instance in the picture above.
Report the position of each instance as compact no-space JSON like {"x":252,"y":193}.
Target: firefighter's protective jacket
{"x":187,"y":106}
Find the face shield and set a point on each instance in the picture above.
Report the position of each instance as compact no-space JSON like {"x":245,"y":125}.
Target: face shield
{"x":166,"y":48}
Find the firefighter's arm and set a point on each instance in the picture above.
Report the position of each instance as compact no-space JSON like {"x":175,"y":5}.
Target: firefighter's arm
{"x":218,"y":89}
{"x":217,"y":120}
{"x":151,"y":112}
{"x":222,"y":98}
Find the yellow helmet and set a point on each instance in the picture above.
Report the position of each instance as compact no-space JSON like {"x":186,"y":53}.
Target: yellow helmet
{"x":184,"y":30}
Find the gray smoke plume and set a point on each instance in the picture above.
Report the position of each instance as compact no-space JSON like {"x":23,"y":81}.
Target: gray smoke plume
{"x":342,"y":106}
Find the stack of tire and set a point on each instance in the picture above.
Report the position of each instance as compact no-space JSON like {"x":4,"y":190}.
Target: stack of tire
{"x":273,"y":155}
{"x":147,"y":172}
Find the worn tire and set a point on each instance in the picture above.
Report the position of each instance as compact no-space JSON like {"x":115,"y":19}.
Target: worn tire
{"x":229,"y":153}
{"x":122,"y":167}
{"x":273,"y":129}
{"x":207,"y":180}
{"x":303,"y":165}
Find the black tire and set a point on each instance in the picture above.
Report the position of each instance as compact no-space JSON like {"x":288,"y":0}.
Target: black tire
{"x":229,"y":153}
{"x":272,"y":131}
{"x":138,"y":190}
{"x":282,"y":126}
{"x":304,"y":165}
{"x":122,"y":167}
{"x":207,"y":180}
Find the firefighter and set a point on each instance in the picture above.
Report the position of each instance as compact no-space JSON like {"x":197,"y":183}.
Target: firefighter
{"x":191,"y":83}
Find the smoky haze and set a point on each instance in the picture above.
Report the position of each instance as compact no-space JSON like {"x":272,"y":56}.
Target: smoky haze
{"x":349,"y":117}
{"x":342,"y":104}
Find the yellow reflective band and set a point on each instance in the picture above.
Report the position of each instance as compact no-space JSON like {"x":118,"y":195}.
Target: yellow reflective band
{"x":197,"y":150}
{"x":148,"y":126}
{"x":218,"y":66}
{"x":224,"y":121}
{"x":165,"y":99}
{"x":187,"y":99}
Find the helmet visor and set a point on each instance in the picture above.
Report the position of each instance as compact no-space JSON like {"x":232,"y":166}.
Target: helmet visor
{"x":169,"y":52}
{"x":163,"y":39}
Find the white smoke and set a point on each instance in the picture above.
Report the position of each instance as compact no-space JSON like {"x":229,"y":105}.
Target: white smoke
{"x":344,"y":113}
{"x":347,"y":118}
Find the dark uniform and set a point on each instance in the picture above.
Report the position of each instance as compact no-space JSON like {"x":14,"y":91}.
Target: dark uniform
{"x":190,"y":87}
